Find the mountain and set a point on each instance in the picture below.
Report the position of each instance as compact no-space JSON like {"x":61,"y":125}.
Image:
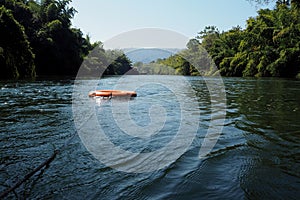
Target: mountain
{"x":147,"y":55}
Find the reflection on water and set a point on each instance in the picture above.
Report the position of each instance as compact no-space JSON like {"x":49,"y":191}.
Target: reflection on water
{"x":257,"y":154}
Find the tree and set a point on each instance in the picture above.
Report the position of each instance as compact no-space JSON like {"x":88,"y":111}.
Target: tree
{"x":208,"y":36}
{"x":16,"y":57}
{"x":120,"y":64}
{"x":293,"y":3}
{"x":100,"y":62}
{"x":269,"y":46}
{"x":59,"y":49}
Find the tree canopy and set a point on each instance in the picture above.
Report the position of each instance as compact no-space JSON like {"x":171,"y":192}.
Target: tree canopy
{"x":268,"y":46}
{"x":37,"y":37}
{"x":16,"y":57}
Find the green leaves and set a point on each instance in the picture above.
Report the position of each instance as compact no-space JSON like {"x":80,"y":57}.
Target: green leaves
{"x":43,"y":28}
{"x":16,"y":57}
{"x":110,"y":62}
{"x":269,"y":46}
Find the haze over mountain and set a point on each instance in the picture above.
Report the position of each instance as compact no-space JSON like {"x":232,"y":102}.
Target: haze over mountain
{"x":147,"y":55}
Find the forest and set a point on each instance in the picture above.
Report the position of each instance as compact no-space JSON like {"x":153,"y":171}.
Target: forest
{"x":269,"y":46}
{"x":37,"y":39}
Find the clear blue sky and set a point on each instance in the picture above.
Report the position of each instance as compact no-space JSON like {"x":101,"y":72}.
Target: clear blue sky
{"x":103,"y":19}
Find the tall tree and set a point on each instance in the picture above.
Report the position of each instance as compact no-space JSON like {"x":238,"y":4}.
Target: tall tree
{"x":59,"y":49}
{"x":16,"y":57}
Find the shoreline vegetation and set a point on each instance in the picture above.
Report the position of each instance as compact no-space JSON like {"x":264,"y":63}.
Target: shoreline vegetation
{"x":37,"y":39}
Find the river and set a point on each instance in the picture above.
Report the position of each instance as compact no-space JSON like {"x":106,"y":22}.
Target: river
{"x":257,"y":154}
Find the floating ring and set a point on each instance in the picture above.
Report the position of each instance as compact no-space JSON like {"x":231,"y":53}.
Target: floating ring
{"x":112,"y":93}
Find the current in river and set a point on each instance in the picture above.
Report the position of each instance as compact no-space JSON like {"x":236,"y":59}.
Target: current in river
{"x":256,"y":155}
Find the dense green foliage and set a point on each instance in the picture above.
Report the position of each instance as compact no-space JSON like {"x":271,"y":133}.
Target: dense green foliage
{"x":106,"y":62}
{"x":268,"y":46}
{"x":36,"y":37}
{"x":192,"y":61}
{"x":154,"y":68}
{"x":16,"y":57}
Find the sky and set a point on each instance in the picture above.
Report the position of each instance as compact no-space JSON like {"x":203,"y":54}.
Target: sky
{"x":104,"y":19}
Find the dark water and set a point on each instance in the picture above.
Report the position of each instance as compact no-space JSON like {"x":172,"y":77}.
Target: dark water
{"x":256,"y":157}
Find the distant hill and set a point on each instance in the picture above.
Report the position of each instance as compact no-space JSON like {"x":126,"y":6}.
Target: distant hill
{"x":147,"y":55}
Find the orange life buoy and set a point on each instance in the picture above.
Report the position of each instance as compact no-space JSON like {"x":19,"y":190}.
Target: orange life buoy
{"x":112,"y":93}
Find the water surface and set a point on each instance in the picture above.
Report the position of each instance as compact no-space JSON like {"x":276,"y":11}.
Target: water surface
{"x":256,"y":156}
